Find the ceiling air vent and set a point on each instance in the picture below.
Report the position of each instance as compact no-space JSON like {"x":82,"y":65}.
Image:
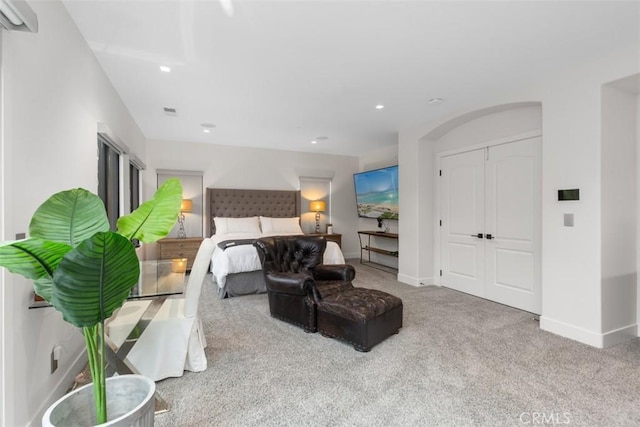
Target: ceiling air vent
{"x":17,"y":15}
{"x":167,"y":110}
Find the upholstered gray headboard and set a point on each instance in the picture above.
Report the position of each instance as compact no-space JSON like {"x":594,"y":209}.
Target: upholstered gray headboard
{"x":229,"y":202}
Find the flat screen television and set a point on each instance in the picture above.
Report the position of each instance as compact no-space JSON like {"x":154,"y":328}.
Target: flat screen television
{"x":377,"y":193}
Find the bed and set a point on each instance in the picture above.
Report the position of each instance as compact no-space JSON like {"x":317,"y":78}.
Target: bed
{"x":236,"y":219}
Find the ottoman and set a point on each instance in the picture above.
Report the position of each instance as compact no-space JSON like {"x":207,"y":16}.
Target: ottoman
{"x":359,"y":316}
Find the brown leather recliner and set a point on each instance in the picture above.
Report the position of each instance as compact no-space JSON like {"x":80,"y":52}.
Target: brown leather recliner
{"x":296,"y":279}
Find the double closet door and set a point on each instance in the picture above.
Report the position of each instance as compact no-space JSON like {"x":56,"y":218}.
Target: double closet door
{"x":490,"y":232}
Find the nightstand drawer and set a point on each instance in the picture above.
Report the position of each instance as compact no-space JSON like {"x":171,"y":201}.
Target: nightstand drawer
{"x":332,"y":237}
{"x":179,"y":248}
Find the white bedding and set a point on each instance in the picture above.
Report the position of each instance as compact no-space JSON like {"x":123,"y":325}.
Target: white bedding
{"x":244,"y":258}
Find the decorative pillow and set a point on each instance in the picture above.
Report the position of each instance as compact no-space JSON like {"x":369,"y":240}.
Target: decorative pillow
{"x":250,"y":225}
{"x":280,"y":225}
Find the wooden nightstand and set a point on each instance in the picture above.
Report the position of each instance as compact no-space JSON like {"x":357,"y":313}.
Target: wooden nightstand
{"x":333,"y":237}
{"x":179,"y":248}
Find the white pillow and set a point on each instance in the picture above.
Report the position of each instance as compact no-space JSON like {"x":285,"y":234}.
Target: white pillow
{"x":280,"y":225}
{"x":250,"y":225}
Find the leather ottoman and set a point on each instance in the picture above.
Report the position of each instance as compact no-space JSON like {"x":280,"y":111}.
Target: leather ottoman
{"x":359,"y":316}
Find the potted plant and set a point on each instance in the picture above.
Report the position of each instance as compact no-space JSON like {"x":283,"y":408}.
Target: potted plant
{"x":83,"y":269}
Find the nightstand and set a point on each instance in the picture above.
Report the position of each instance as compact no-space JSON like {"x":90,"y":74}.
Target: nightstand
{"x":179,"y":248}
{"x":333,"y":237}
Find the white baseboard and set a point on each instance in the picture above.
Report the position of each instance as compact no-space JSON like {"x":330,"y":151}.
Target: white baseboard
{"x":595,"y":339}
{"x":352,"y":256}
{"x":428,"y":281}
{"x":61,"y":388}
{"x":409,"y":280}
{"x":619,"y":335}
{"x":570,"y":331}
{"x":415,"y":281}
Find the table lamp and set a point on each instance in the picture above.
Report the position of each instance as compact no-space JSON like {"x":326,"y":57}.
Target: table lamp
{"x":185,"y":206}
{"x":317,"y":206}
{"x":178,"y":265}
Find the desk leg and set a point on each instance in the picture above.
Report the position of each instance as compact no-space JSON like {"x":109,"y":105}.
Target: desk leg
{"x":117,"y":357}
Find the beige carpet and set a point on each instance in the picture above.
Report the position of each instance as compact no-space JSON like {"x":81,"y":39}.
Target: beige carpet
{"x":458,"y":360}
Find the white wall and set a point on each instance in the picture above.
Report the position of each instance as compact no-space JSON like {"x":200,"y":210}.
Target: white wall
{"x":54,"y":96}
{"x":619,"y":213}
{"x":254,"y":168}
{"x":571,"y":257}
{"x":490,"y":126}
{"x":3,"y":237}
{"x":638,"y":205}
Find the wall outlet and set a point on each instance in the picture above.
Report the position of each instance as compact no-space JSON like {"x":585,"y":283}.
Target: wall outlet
{"x":54,"y":362}
{"x":55,"y":356}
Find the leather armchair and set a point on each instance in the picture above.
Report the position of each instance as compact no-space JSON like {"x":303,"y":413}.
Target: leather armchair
{"x":296,"y":279}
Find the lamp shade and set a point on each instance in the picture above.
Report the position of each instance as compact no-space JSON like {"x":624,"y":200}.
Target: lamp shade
{"x":317,"y":206}
{"x":186,"y":205}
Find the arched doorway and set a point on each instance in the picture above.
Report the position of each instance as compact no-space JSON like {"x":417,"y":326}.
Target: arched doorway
{"x":488,"y":205}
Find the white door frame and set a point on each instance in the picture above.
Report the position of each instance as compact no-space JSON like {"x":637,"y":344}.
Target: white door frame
{"x":438,"y":158}
{"x":3,"y":300}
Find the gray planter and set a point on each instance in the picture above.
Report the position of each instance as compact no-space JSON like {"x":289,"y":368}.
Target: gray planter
{"x":130,"y":403}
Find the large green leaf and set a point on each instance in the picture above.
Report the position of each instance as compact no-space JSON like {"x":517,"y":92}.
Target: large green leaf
{"x":35,"y":259}
{"x":95,"y":278}
{"x":69,"y":217}
{"x":155,"y":218}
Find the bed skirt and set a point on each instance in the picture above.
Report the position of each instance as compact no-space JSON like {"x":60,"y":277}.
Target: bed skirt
{"x":238,"y":284}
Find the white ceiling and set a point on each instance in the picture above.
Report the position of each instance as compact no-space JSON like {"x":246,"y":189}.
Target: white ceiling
{"x":279,"y":74}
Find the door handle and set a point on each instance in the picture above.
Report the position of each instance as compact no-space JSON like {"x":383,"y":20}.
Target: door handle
{"x":489,"y":236}
{"x":479,"y":235}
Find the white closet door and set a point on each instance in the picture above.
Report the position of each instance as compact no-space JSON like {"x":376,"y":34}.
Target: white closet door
{"x":513,"y":223}
{"x":462,"y":213}
{"x":490,"y":237}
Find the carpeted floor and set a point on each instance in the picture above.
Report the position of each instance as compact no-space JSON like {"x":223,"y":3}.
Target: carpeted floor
{"x":458,"y":360}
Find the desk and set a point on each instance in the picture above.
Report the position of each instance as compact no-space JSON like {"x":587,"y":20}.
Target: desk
{"x":157,"y":278}
{"x":158,"y":281}
{"x":160,"y":277}
{"x":365,"y":246}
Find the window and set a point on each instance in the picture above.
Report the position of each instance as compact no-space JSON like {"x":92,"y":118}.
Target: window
{"x":192,"y":189}
{"x":313,"y":189}
{"x":109,"y":179}
{"x":134,"y":186}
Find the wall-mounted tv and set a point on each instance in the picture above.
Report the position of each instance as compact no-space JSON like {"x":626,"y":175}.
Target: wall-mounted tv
{"x":377,"y":193}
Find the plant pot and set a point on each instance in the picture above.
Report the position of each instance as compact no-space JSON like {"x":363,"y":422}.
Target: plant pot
{"x":130,"y":402}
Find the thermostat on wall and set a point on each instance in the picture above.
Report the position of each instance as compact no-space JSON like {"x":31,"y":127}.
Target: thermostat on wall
{"x":573,"y":194}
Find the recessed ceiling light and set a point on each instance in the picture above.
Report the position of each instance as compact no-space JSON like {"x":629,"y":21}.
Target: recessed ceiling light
{"x":436,"y":101}
{"x":165,"y":69}
{"x":314,"y":142}
{"x":208,"y":125}
{"x":379,"y":107}
{"x":206,"y":130}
